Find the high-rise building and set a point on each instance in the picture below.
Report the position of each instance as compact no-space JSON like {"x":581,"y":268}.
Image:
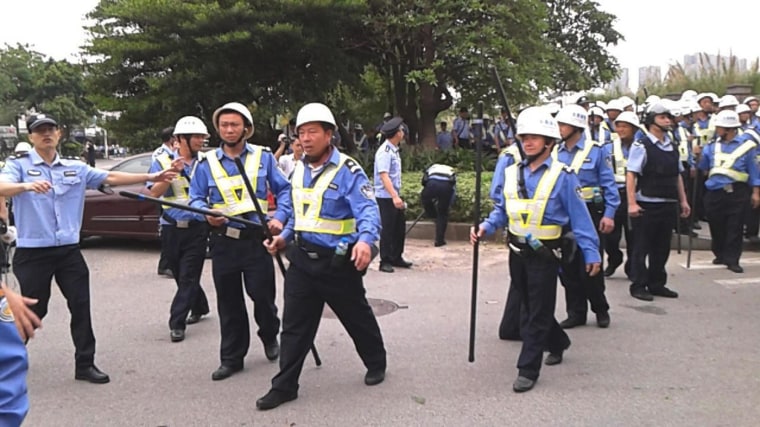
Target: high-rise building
{"x":649,"y":74}
{"x":700,"y":63}
{"x":620,"y":84}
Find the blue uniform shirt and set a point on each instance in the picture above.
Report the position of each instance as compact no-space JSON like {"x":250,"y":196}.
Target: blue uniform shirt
{"x":462,"y":128}
{"x":14,"y":402}
{"x":175,"y":213}
{"x":745,"y":163}
{"x":637,"y":159}
{"x":387,"y":160}
{"x":596,"y":171}
{"x":350,"y":197}
{"x":444,"y":140}
{"x":503,"y":132}
{"x":203,"y":191}
{"x":161,"y":150}
{"x":565,"y":205}
{"x":53,"y":218}
{"x":497,"y":182}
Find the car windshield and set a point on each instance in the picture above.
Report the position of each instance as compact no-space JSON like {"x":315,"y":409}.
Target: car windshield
{"x":137,"y":165}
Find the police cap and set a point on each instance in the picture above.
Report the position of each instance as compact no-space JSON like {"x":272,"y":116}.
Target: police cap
{"x":36,"y":120}
{"x":392,"y":126}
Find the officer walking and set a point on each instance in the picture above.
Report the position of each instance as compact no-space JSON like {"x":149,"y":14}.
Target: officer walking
{"x":239,"y":261}
{"x":438,"y":192}
{"x":732,"y":181}
{"x":387,"y":180}
{"x":48,"y":194}
{"x":592,"y":162}
{"x":186,"y":233}
{"x":166,"y":147}
{"x":549,"y":190}
{"x":333,"y":226}
{"x":654,"y":189}
{"x":626,"y":126}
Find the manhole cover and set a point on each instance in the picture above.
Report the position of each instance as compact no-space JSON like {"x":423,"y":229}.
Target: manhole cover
{"x":380,"y":307}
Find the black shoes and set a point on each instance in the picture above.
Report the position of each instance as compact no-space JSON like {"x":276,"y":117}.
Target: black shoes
{"x":386,"y":268}
{"x":91,"y":374}
{"x":374,"y":376}
{"x":602,"y":320}
{"x":610,"y":269}
{"x":177,"y":335}
{"x":718,"y":261}
{"x":439,"y":244}
{"x":402,"y":263}
{"x":571,"y":322}
{"x":167,"y":273}
{"x":664,"y":292}
{"x":553,"y":359}
{"x":194,"y":318}
{"x":642,"y":294}
{"x":223,"y":372}
{"x":523,"y":384}
{"x":272,"y":351}
{"x":275,"y":398}
{"x":736,"y":268}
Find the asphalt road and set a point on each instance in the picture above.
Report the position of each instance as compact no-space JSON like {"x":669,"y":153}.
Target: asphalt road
{"x":690,"y":361}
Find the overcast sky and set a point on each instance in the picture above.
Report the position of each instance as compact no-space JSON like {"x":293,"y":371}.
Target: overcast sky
{"x":657,"y":32}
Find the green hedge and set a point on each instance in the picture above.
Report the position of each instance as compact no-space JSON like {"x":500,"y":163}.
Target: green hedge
{"x":464,"y":205}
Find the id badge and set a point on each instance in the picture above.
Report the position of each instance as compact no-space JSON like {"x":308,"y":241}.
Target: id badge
{"x":233,"y":232}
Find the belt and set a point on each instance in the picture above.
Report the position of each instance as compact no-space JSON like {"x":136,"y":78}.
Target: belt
{"x":521,"y":246}
{"x":180,"y":223}
{"x":239,"y":233}
{"x":316,"y":251}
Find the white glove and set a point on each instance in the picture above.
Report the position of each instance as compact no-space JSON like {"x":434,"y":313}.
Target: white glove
{"x":10,"y":235}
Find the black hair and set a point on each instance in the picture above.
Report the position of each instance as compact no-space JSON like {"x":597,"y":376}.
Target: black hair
{"x":167,"y":134}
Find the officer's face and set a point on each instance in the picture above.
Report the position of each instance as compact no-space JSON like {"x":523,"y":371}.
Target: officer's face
{"x":314,"y":138}
{"x":626,"y":131}
{"x":721,"y":132}
{"x":45,"y":136}
{"x":706,"y":104}
{"x":196,"y":142}
{"x":663,"y":120}
{"x":744,"y":117}
{"x":565,"y":130}
{"x":753,"y":106}
{"x":297,"y":148}
{"x":613,"y":114}
{"x":231,"y":127}
{"x":533,"y":144}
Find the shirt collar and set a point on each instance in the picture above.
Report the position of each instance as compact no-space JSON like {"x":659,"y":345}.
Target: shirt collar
{"x":393,"y":147}
{"x":578,"y":145}
{"x":546,"y":163}
{"x":665,"y":141}
{"x":220,"y":151}
{"x":36,"y":159}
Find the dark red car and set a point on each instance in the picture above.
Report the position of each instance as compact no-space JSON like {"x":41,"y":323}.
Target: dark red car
{"x":111,"y":215}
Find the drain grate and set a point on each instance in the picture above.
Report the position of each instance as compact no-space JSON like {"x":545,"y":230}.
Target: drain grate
{"x":380,"y":307}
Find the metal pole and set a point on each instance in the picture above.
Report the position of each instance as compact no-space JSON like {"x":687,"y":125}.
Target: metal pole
{"x":476,"y":221}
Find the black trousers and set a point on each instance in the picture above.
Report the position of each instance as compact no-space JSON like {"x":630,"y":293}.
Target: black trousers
{"x":309,"y":284}
{"x":514,"y":309}
{"x":683,"y":223}
{"x":35,"y":269}
{"x":580,"y":288}
{"x":237,"y":265}
{"x":612,"y":240}
{"x":725,"y":213}
{"x":751,"y":221}
{"x":534,"y":283}
{"x":393,"y":235}
{"x":442,"y":193}
{"x":163,"y":261}
{"x":651,"y":247}
{"x":186,"y":252}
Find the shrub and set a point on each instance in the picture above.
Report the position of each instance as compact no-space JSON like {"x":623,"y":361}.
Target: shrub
{"x":464,"y":205}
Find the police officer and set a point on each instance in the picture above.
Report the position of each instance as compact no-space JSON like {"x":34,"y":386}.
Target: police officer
{"x":461,"y":129}
{"x":166,"y":147}
{"x":333,"y":205}
{"x":592,"y":162}
{"x":438,"y":192}
{"x":598,"y":128}
{"x":185,"y":233}
{"x":654,"y":189}
{"x":549,"y":190}
{"x":48,"y":194}
{"x":387,"y":180}
{"x":239,"y":261}
{"x":626,"y":126}
{"x":733,"y":181}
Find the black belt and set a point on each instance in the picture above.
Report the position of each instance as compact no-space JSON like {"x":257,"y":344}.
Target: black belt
{"x":239,"y":233}
{"x":182,"y":223}
{"x":520,"y":243}
{"x":317,"y":251}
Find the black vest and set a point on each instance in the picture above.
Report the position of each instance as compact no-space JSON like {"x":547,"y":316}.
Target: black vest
{"x":660,"y":175}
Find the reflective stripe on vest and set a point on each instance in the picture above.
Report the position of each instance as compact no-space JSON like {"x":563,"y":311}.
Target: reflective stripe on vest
{"x":683,"y":141}
{"x":232,"y":188}
{"x":527,"y":215}
{"x":620,"y":161}
{"x":180,"y":185}
{"x":580,"y":155}
{"x":307,"y":202}
{"x":725,"y":161}
{"x":513,"y":151}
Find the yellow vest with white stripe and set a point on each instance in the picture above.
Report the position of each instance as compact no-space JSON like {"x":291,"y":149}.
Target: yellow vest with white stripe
{"x":620,"y":161}
{"x":578,"y":159}
{"x":705,"y":135}
{"x":180,"y":185}
{"x":307,"y":202}
{"x":526,"y":215}
{"x":237,"y":201}
{"x":513,"y":151}
{"x":724,"y":162}
{"x":683,"y":141}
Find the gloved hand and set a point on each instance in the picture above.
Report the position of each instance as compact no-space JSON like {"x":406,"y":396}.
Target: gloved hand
{"x":10,"y":236}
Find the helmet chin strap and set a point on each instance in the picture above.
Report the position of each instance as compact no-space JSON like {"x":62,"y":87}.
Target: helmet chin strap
{"x":311,"y":159}
{"x":663,"y":128}
{"x":532,"y":158}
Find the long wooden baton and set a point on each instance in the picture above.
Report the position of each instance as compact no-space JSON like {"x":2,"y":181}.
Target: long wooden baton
{"x":476,"y":222}
{"x":268,"y":234}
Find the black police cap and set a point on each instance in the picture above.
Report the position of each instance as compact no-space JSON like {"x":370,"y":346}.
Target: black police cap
{"x":390,"y":127}
{"x":36,"y":120}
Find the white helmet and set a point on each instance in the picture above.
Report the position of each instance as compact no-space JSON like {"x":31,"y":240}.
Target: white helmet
{"x":573,"y":115}
{"x":552,"y":108}
{"x":538,"y":121}
{"x":615,"y":104}
{"x":315,"y":112}
{"x":601,"y":104}
{"x":749,"y":99}
{"x":22,"y":147}
{"x":651,"y":99}
{"x":596,"y":111}
{"x":728,"y":101}
{"x":727,"y":119}
{"x":743,"y":108}
{"x":688,"y":94}
{"x":237,"y":108}
{"x":626,"y":101}
{"x":694,"y":107}
{"x":628,"y":117}
{"x":190,"y":125}
{"x":703,"y":95}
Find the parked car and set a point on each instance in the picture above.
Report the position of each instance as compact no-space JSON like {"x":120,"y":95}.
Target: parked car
{"x":108,"y":214}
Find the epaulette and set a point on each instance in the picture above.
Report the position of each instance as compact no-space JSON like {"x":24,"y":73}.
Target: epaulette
{"x":266,"y":148}
{"x":568,"y":169}
{"x":353,"y":165}
{"x":638,"y":142}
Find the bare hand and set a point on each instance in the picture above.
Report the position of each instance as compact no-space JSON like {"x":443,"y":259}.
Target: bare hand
{"x":25,"y":319}
{"x":474,"y":237}
{"x":606,"y":225}
{"x":178,"y":164}
{"x":634,"y":210}
{"x":361,"y":255}
{"x":165,"y":175}
{"x":398,"y":203}
{"x":755,"y":201}
{"x":593,"y":269}
{"x":275,"y":245}
{"x":275,"y":226}
{"x":216,"y":221}
{"x":685,"y":210}
{"x":39,"y":187}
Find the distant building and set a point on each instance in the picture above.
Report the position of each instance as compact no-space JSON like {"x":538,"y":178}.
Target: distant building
{"x":699,"y":63}
{"x":649,"y":75}
{"x":621,"y":83}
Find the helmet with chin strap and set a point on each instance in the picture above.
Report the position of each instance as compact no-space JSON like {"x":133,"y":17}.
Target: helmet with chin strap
{"x":653,"y":111}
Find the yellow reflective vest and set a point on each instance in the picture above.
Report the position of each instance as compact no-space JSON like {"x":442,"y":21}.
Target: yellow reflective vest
{"x":180,"y":185}
{"x":237,"y":201}
{"x":526,"y":215}
{"x":620,"y":161}
{"x":724,"y":162}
